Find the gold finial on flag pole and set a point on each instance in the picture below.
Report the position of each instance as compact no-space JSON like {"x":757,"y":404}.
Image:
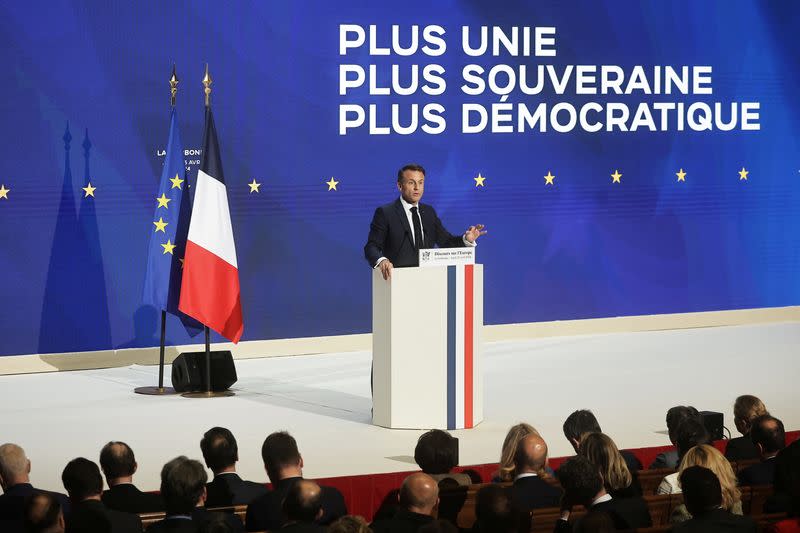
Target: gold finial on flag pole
{"x":207,"y":85}
{"x":173,"y":86}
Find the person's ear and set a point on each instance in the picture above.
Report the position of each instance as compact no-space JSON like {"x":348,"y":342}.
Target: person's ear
{"x":135,"y":468}
{"x":319,"y":514}
{"x":203,"y":497}
{"x":760,"y":448}
{"x":29,"y":466}
{"x":61,"y":524}
{"x":576,"y":444}
{"x":2,"y":482}
{"x":300,"y":464}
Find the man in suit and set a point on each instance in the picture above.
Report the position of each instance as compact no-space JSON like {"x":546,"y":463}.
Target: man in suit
{"x":702,"y":495}
{"x":221,"y":453}
{"x":401,"y":228}
{"x":675,"y":416}
{"x":583,"y":421}
{"x":303,"y":507}
{"x":746,"y":408}
{"x":15,"y":470}
{"x":119,"y":465}
{"x":284,"y":466}
{"x":84,"y":484}
{"x":769,"y":438}
{"x":418,"y":498}
{"x":494,"y":512}
{"x":583,"y":485}
{"x":42,"y":514}
{"x":529,"y":490}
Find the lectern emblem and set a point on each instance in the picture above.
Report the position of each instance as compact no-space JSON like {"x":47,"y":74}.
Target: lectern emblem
{"x":426,"y":254}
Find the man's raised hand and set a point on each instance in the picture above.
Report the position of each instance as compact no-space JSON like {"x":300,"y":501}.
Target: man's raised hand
{"x":474,"y":232}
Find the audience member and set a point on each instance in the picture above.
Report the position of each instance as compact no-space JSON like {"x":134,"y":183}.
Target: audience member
{"x":84,"y":484}
{"x":303,"y":508}
{"x":604,"y":455}
{"x":530,"y":491}
{"x":787,"y":490}
{"x":42,"y":514}
{"x":350,"y":524}
{"x":691,"y":432}
{"x":119,"y":465}
{"x":675,"y":416}
{"x":15,"y":470}
{"x":284,"y":466}
{"x":221,"y":452}
{"x":746,"y":409}
{"x":436,"y":454}
{"x":515,"y":434}
{"x":583,"y":422}
{"x":702,"y":495}
{"x":769,"y":437}
{"x":709,"y":457}
{"x":583,"y":485}
{"x":418,"y":498}
{"x":438,"y":526}
{"x":599,"y":522}
{"x":493,"y":512}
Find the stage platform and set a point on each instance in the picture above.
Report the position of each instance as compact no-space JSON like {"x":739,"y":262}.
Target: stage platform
{"x":628,"y":379}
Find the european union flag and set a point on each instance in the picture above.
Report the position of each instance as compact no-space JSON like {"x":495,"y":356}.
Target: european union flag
{"x":168,"y":231}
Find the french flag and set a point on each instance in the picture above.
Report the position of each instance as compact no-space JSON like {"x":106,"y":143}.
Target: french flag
{"x":210,"y":287}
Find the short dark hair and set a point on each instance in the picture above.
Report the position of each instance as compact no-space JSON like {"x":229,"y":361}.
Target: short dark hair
{"x":701,"y":490}
{"x":580,"y":423}
{"x":580,"y":480}
{"x":768,"y":431}
{"x":676,"y":415}
{"x":412,"y":166}
{"x":493,"y":509}
{"x":690,"y":433}
{"x":435,"y":452}
{"x":182,"y":484}
{"x":219,"y":449}
{"x":300,"y":504}
{"x":81,"y":478}
{"x":278,"y":451}
{"x":117,"y":460}
{"x":41,"y":512}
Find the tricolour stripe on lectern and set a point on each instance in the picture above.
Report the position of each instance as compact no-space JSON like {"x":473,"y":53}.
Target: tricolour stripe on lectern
{"x":451,"y":347}
{"x":460,"y":349}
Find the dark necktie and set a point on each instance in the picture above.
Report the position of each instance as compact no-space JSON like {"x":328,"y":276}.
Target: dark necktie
{"x":417,"y":228}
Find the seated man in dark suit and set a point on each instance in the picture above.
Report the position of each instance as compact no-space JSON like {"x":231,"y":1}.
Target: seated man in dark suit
{"x":84,"y":484}
{"x":745,"y":409}
{"x":494,"y":514}
{"x":583,"y":485}
{"x":675,"y":416}
{"x":770,"y":438}
{"x":418,"y":498}
{"x":284,"y":466}
{"x":42,"y":514}
{"x":303,"y":507}
{"x":118,"y":465}
{"x":583,"y":421}
{"x":530,"y":491}
{"x":221,"y":453}
{"x":702,"y":495}
{"x":15,"y":470}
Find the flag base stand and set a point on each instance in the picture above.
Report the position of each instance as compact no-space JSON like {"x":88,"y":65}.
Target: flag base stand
{"x":209,"y":394}
{"x":155,"y":391}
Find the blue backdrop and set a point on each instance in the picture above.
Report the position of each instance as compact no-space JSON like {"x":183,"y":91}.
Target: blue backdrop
{"x":72,"y":266}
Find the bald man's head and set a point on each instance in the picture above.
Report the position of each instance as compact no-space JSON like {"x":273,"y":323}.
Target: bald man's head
{"x":531,"y":454}
{"x":14,"y":466}
{"x":303,"y":502}
{"x":43,"y":514}
{"x":419,"y":494}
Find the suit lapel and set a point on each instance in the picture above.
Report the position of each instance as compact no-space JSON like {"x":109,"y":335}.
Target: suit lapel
{"x":401,"y":213}
{"x":427,"y":226}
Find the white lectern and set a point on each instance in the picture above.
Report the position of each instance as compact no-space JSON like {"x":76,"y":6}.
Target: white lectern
{"x":426,"y":347}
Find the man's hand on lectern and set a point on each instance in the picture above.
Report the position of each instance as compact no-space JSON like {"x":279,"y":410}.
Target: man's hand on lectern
{"x":386,"y":267}
{"x":474,"y":232}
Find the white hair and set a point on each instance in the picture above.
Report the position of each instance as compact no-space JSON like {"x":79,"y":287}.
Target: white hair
{"x":13,"y":462}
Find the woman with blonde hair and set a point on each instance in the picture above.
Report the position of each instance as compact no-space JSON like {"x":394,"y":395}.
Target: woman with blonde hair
{"x":506,"y":471}
{"x":603,"y":453}
{"x":709,"y":457}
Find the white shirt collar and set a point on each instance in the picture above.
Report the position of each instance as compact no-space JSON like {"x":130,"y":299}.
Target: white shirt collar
{"x":526,"y":474}
{"x":407,"y":206}
{"x":601,"y":499}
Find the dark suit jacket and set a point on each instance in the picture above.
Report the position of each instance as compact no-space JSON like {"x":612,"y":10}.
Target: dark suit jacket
{"x":667,"y":459}
{"x":741,"y":448}
{"x":229,"y":489}
{"x":199,"y":517}
{"x":303,"y":527}
{"x":631,"y":460}
{"x":532,"y":492}
{"x":12,"y":502}
{"x":127,"y":498}
{"x":758,"y":474}
{"x":719,"y":520}
{"x":92,"y":516}
{"x":266,"y":512}
{"x":402,"y":522}
{"x":390,"y":235}
{"x":627,"y":514}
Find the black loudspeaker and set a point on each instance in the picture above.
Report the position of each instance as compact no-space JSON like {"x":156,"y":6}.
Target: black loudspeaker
{"x":189,"y":371}
{"x":713,"y":422}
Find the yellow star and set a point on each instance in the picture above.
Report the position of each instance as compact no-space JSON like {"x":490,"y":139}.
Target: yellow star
{"x":743,"y":174}
{"x":681,"y":175}
{"x":254,"y":186}
{"x":176,"y":182}
{"x":332,"y":184}
{"x":163,"y":201}
{"x":160,"y":225}
{"x":4,"y":192}
{"x":168,"y":247}
{"x":548,"y":180}
{"x":89,"y":190}
{"x":616,"y":176}
{"x":479,"y":180}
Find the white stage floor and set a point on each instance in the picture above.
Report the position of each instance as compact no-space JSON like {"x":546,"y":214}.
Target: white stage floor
{"x":628,"y":380}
